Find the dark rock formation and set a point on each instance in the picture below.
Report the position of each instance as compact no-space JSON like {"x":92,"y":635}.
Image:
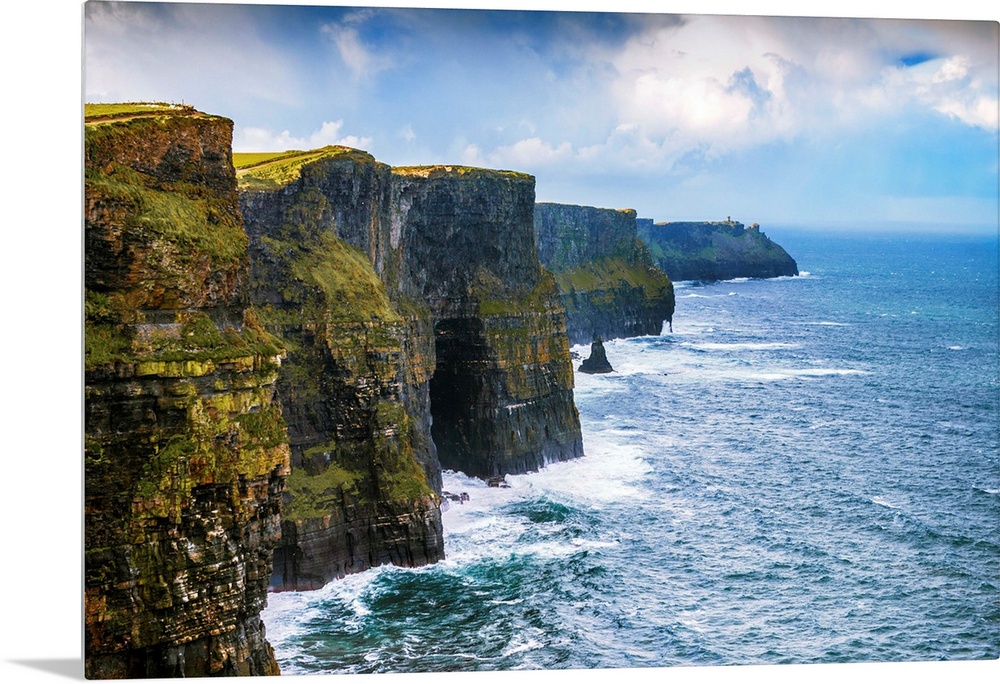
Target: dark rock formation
{"x":502,"y":390}
{"x":718,"y":250}
{"x":354,"y":387}
{"x":605,"y":274}
{"x":185,"y":448}
{"x":404,"y":296}
{"x":597,"y":362}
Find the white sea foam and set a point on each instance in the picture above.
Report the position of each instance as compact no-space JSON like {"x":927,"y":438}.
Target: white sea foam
{"x":956,"y":347}
{"x":829,"y":323}
{"x":739,"y":346}
{"x":884,"y":502}
{"x":518,"y":645}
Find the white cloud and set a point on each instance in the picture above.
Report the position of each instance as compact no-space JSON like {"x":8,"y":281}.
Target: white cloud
{"x":249,"y":139}
{"x":721,"y":84}
{"x":946,"y":85}
{"x":181,"y":52}
{"x":531,"y":153}
{"x":472,"y":156}
{"x":362,"y":60}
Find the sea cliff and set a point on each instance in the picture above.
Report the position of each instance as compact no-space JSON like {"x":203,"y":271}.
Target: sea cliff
{"x":185,"y":448}
{"x":606,"y":277}
{"x":365,"y":477}
{"x":502,"y":390}
{"x":413,"y":296}
{"x":718,"y":250}
{"x":276,"y":368}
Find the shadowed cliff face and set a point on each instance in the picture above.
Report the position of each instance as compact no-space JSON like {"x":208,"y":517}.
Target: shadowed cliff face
{"x":354,"y":385}
{"x":715,"y":251}
{"x":185,"y":448}
{"x":606,"y":277}
{"x":502,"y":391}
{"x":484,"y":345}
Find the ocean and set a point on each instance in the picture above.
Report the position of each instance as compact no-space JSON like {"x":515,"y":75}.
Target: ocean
{"x":806,"y":470}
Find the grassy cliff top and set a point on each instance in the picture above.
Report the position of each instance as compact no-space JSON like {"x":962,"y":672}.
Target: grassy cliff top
{"x":557,"y":205}
{"x":274,"y":170}
{"x":447,"y":170}
{"x":97,"y":113}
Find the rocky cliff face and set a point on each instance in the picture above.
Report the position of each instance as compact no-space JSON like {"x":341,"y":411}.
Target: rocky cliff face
{"x":502,"y":390}
{"x":185,"y":448}
{"x":715,"y":250}
{"x":605,"y":274}
{"x":354,"y":387}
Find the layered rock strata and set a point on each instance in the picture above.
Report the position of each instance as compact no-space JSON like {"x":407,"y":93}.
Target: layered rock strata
{"x":354,"y":387}
{"x":185,"y":447}
{"x":718,"y":250}
{"x":607,"y":280}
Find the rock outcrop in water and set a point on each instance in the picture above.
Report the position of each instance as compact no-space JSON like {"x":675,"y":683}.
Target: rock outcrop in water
{"x":185,"y":447}
{"x":597,"y":362}
{"x":607,"y":280}
{"x":718,"y":250}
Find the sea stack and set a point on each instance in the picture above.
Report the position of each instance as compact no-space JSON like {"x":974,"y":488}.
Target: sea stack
{"x":598,"y":361}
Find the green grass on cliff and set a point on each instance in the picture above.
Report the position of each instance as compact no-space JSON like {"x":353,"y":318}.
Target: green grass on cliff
{"x":114,"y":334}
{"x":124,"y":110}
{"x":610,"y":273}
{"x":446,"y":171}
{"x":274,"y":170}
{"x":329,"y":280}
{"x":540,"y":298}
{"x":187,"y":222}
{"x":379,"y":469}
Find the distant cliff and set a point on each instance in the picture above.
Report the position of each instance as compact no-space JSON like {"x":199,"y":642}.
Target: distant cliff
{"x":607,"y":280}
{"x":718,"y":250}
{"x":185,"y":447}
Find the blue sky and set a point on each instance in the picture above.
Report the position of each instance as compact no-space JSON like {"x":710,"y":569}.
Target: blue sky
{"x":793,"y":121}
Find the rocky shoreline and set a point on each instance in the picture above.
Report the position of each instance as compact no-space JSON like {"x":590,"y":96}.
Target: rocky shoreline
{"x":283,"y":353}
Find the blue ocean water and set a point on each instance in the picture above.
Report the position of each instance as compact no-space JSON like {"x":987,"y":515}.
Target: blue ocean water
{"x":806,"y":470}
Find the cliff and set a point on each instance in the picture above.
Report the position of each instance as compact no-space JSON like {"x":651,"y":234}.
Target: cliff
{"x":485,"y":357}
{"x":268,"y":373}
{"x":502,"y":389}
{"x":354,"y":385}
{"x":606,"y":277}
{"x":185,"y":448}
{"x":718,"y":250}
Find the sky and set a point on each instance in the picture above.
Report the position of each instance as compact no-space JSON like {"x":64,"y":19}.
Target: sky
{"x":811,"y":121}
{"x":806,"y":122}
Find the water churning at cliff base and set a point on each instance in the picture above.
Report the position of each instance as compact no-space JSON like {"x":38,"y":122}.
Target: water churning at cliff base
{"x":805,"y":470}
